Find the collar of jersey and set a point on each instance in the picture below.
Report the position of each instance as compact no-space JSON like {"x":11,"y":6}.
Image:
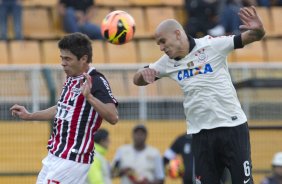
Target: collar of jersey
{"x":80,"y":76}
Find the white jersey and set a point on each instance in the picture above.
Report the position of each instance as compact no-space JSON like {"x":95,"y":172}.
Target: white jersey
{"x":146,"y":163}
{"x":210,"y":99}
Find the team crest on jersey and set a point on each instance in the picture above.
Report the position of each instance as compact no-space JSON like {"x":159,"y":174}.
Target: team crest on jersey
{"x":201,"y":55}
{"x":74,"y":93}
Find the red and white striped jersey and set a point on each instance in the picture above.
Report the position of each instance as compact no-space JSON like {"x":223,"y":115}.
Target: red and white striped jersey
{"x":76,"y":120}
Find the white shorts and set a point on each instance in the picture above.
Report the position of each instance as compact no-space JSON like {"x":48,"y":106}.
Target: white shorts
{"x":56,"y":170}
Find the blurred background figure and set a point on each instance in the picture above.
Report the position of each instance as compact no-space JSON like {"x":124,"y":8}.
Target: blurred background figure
{"x":11,"y":8}
{"x":276,"y":176}
{"x":138,"y":163}
{"x":228,"y":14}
{"x":181,"y":146}
{"x":203,"y":18}
{"x":100,"y":172}
{"x":268,"y":3}
{"x":76,"y":17}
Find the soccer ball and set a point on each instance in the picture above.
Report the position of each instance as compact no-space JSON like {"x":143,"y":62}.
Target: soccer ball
{"x":118,"y":27}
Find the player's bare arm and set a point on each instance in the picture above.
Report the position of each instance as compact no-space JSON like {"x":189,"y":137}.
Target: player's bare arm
{"x":107,"y":111}
{"x":144,"y":76}
{"x":252,"y":23}
{"x":22,"y":113}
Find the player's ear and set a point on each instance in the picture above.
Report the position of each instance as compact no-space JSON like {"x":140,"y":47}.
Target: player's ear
{"x":177,"y":33}
{"x":84,"y":58}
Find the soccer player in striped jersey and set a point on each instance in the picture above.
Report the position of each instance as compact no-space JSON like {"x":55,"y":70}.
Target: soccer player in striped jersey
{"x":213,"y":112}
{"x":86,"y":99}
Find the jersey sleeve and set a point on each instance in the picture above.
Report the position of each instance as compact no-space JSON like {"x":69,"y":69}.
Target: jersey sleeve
{"x":176,"y":145}
{"x":159,"y":167}
{"x":160,"y":66}
{"x":102,"y":90}
{"x":222,"y":44}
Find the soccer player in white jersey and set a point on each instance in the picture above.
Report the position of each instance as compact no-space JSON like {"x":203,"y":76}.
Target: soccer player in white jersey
{"x":212,"y":109}
{"x":86,"y":99}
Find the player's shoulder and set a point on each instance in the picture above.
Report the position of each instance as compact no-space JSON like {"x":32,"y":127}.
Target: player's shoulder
{"x":96,"y":74}
{"x":152,"y":150}
{"x":98,"y":77}
{"x":125,"y":148}
{"x":220,"y":39}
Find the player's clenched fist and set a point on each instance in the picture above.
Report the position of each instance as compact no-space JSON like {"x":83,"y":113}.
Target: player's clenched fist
{"x":19,"y":111}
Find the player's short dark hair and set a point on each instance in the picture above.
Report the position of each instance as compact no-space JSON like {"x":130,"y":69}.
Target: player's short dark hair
{"x":78,"y":44}
{"x":140,"y":127}
{"x":100,"y":135}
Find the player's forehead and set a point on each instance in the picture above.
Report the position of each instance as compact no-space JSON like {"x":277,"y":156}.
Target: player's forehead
{"x":161,"y":37}
{"x":66,"y":53}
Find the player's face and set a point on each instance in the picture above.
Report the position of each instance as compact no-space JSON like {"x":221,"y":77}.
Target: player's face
{"x":139,"y":138}
{"x":169,"y":43}
{"x":105,"y":143}
{"x":71,"y":65}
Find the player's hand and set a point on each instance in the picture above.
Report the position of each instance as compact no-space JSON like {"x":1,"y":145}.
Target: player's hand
{"x":149,"y":75}
{"x":250,"y":19}
{"x":86,"y":85}
{"x":20,"y":112}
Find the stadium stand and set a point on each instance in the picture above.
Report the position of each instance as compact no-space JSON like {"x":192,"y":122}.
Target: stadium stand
{"x":100,"y":14}
{"x":40,"y":3}
{"x":118,"y":54}
{"x":25,"y":52}
{"x":146,"y":2}
{"x":274,"y":52}
{"x":173,"y":3}
{"x":38,"y":24}
{"x":276,"y":13}
{"x":157,"y":14}
{"x":148,"y":51}
{"x":50,"y":52}
{"x":112,"y":3}
{"x":3,"y":53}
{"x":265,"y":15}
{"x":99,"y":52}
{"x":251,"y":53}
{"x":140,"y":21}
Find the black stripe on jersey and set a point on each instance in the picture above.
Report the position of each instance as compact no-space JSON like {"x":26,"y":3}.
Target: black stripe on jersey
{"x":81,"y":129}
{"x":65,"y":90}
{"x":64,"y":137}
{"x":54,"y":132}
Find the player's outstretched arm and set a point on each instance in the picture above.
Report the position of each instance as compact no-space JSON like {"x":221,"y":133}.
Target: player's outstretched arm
{"x":21,"y":112}
{"x":144,"y":76}
{"x":252,"y":24}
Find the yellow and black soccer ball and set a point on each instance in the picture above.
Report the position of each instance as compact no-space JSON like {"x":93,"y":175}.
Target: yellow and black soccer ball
{"x":118,"y":27}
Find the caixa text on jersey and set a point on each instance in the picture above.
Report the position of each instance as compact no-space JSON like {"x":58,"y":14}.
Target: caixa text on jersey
{"x":184,"y":74}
